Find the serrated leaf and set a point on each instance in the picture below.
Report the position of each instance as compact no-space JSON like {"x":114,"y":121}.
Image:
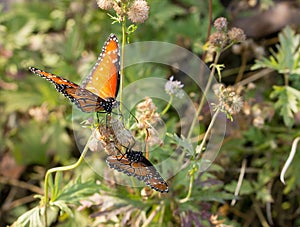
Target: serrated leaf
{"x":246,"y":187}
{"x":35,"y":217}
{"x":287,"y":58}
{"x":182,"y":142}
{"x":74,"y":192}
{"x":288,"y":102}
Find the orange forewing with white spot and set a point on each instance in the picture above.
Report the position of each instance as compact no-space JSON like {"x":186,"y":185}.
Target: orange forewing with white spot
{"x":100,"y":89}
{"x":104,"y":78}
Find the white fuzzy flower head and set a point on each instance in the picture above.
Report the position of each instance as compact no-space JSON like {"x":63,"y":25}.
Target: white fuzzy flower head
{"x":174,"y":88}
{"x":105,"y":4}
{"x":138,"y":12}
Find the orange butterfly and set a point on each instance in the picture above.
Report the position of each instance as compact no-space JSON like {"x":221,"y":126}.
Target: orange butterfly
{"x":133,"y":163}
{"x":99,"y":91}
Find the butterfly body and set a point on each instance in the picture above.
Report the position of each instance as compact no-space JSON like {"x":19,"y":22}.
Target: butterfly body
{"x":99,"y":91}
{"x":133,"y":163}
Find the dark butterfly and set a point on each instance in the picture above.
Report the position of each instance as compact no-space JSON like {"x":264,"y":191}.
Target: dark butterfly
{"x":133,"y":163}
{"x":99,"y":91}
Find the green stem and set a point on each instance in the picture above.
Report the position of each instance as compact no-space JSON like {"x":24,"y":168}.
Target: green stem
{"x":199,"y":150}
{"x":168,"y":106}
{"x":286,"y":79}
{"x":211,"y":76}
{"x":122,"y":59}
{"x":190,"y":189}
{"x":61,"y":169}
{"x":162,"y":215}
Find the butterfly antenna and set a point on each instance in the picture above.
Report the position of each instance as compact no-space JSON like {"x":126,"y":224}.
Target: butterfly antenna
{"x":122,"y":155}
{"x":130,"y":113}
{"x":129,"y":148}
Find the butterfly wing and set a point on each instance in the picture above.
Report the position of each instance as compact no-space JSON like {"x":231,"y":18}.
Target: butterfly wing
{"x":83,"y":99}
{"x":121,"y":164}
{"x":154,"y":180}
{"x":141,"y":169}
{"x":104,"y":79}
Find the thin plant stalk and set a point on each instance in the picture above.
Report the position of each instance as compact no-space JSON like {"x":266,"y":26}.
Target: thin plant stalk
{"x":198,"y":155}
{"x":240,"y":181}
{"x":190,"y":189}
{"x":61,"y":169}
{"x":168,"y":106}
{"x":162,"y":214}
{"x":286,"y":79}
{"x":122,"y":59}
{"x":200,"y":148}
{"x":211,"y":76}
{"x":152,"y":215}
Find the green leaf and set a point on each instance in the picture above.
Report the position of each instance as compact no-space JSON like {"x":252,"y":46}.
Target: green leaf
{"x":35,"y":217}
{"x":63,"y":207}
{"x":287,"y":58}
{"x":182,"y":142}
{"x":246,"y":187}
{"x":164,"y":11}
{"x":57,"y":185}
{"x":72,"y":193}
{"x":264,"y":194}
{"x":210,"y":195}
{"x":288,"y":102}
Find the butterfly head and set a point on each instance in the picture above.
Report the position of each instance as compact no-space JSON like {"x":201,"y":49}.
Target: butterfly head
{"x":109,"y":104}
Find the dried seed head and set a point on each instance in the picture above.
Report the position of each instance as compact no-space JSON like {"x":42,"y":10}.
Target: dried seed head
{"x":218,"y":39}
{"x":138,"y":12}
{"x":236,"y":35}
{"x":104,"y":138}
{"x":119,"y":10}
{"x":105,"y":4}
{"x":221,"y":24}
{"x":146,"y":113}
{"x":153,"y":137}
{"x":229,"y":100}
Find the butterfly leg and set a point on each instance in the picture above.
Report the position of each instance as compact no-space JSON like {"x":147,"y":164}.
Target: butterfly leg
{"x":98,"y":120}
{"x":122,"y":155}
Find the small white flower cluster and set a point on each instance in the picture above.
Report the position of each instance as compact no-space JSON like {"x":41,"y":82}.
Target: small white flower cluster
{"x":174,"y":88}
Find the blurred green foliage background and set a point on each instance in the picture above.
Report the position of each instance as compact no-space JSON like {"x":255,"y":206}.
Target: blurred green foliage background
{"x":65,"y":38}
